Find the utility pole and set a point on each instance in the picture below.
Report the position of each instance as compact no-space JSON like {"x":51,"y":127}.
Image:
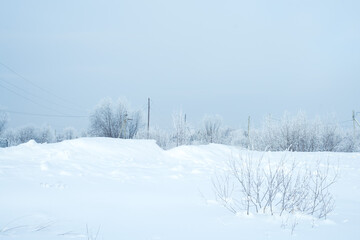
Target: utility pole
{"x":249,"y":131}
{"x":123,"y":127}
{"x":355,"y":122}
{"x":148,"y":122}
{"x":125,"y":124}
{"x":353,"y":118}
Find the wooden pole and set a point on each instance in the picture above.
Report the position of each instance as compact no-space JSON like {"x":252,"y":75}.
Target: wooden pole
{"x":353,"y":117}
{"x":249,"y":131}
{"x":148,"y":122}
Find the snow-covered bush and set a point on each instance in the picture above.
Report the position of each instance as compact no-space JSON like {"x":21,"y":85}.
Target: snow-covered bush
{"x":329,"y":138}
{"x":27,"y":133}
{"x":262,"y":186}
{"x":349,"y":142}
{"x":114,"y":120}
{"x":296,"y":134}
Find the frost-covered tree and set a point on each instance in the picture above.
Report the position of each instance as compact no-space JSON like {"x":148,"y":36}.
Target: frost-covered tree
{"x":3,"y":121}
{"x":134,"y":124}
{"x":181,"y":128}
{"x":27,"y":133}
{"x":45,"y":135}
{"x":212,"y":126}
{"x":349,"y":142}
{"x":69,"y":133}
{"x":102,"y":120}
{"x":296,"y":133}
{"x":9,"y":135}
{"x":114,"y":120}
{"x":330,"y":138}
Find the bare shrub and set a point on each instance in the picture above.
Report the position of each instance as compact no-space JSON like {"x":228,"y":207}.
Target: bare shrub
{"x":262,"y":186}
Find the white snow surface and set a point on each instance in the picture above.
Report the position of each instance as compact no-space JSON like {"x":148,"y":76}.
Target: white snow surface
{"x":100,"y":188}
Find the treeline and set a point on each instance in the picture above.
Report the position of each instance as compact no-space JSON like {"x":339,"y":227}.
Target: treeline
{"x":46,"y":134}
{"x":293,"y":133}
{"x":116,"y":120}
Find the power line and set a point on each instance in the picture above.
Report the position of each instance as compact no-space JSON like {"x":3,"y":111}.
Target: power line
{"x":39,"y":87}
{"x":43,"y":115}
{"x":32,"y":94}
{"x":344,"y":121}
{"x":15,"y":86}
{"x":30,"y":100}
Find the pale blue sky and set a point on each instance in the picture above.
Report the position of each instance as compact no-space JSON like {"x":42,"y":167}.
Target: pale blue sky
{"x":232,"y":58}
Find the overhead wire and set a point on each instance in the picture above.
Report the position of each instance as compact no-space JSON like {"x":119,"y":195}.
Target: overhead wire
{"x":34,"y":95}
{"x":28,"y":99}
{"x":39,"y":87}
{"x":43,"y":115}
{"x":29,"y":96}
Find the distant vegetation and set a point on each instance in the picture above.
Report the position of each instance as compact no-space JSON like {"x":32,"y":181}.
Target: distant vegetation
{"x":117,"y":120}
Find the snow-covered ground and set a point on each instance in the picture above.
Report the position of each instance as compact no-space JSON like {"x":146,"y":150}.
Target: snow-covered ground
{"x":132,"y":189}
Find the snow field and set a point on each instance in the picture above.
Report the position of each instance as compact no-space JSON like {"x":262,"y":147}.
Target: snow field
{"x":132,"y":189}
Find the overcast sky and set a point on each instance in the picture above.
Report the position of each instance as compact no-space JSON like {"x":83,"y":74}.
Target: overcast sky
{"x":231,"y":57}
